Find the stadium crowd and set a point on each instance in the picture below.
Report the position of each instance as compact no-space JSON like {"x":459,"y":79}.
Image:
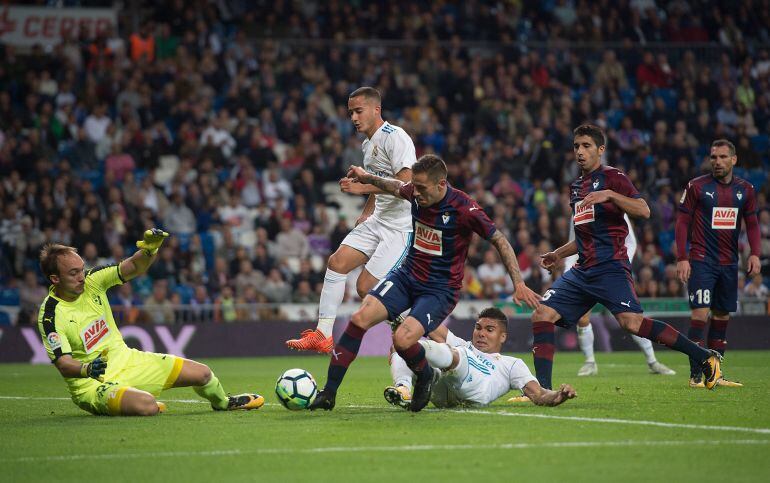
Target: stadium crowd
{"x":204,"y":122}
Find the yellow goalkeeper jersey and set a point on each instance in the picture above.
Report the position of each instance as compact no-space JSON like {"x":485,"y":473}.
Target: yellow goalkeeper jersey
{"x":85,"y":327}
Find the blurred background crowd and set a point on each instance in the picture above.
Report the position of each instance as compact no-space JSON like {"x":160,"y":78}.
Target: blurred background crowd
{"x":226,"y":124}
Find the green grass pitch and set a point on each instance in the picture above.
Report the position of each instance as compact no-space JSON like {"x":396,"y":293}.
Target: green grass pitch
{"x":626,"y":425}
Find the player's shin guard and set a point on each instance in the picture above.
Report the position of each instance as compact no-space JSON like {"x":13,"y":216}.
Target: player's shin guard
{"x":343,"y":355}
{"x":695,"y":334}
{"x":414,"y":357}
{"x":662,"y":333}
{"x":544,"y":335}
{"x":213,"y":392}
{"x":717,"y":337}
{"x":438,"y":354}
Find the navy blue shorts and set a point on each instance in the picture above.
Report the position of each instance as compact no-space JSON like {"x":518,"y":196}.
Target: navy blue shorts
{"x":578,"y":290}
{"x":430,"y":306}
{"x":713,"y":286}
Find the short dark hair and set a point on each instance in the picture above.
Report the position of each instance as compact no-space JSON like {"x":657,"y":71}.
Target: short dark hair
{"x":49,"y":257}
{"x":368,"y":92}
{"x":432,"y":165}
{"x":724,"y":142}
{"x":593,"y":131}
{"x":497,"y":315}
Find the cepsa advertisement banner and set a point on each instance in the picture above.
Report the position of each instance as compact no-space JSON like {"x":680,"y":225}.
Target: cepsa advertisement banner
{"x":27,"y":26}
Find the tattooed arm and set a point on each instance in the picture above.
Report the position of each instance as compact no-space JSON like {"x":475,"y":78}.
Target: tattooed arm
{"x":389,"y":186}
{"x":508,"y":256}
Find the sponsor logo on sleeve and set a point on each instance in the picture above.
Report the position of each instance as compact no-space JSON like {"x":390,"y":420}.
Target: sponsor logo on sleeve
{"x":724,"y":218}
{"x":94,"y":333}
{"x":583,"y":214}
{"x":54,"y":341}
{"x":427,"y":240}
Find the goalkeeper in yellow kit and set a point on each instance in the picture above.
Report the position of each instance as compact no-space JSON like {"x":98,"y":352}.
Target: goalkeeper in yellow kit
{"x":104,"y":376}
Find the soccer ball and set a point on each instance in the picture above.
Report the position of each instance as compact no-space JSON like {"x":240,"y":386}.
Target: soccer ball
{"x":296,"y":389}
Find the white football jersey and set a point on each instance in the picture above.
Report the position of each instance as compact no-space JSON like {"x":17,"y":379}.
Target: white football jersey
{"x":386,"y":153}
{"x":570,"y":261}
{"x":490,"y":376}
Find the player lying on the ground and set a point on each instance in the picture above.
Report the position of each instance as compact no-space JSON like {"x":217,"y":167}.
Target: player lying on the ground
{"x":600,"y":197}
{"x":430,"y":278}
{"x":710,"y":214}
{"x":103,"y":375}
{"x":474,"y":373}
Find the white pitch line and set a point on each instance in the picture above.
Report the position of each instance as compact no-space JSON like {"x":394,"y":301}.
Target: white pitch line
{"x":639,"y":422}
{"x":623,"y":421}
{"x":362,"y":449}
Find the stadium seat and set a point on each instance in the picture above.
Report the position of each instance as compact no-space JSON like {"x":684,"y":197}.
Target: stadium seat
{"x":761,"y":143}
{"x":5,"y":319}
{"x":9,"y":296}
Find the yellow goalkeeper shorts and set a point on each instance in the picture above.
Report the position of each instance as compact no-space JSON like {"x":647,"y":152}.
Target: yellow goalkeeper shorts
{"x":146,"y":371}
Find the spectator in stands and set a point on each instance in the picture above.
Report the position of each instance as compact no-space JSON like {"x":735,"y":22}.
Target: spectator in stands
{"x":291,"y":243}
{"x":158,"y":308}
{"x":179,"y":219}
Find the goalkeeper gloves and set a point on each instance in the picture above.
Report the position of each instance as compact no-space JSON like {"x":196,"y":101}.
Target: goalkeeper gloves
{"x":96,"y":368}
{"x":152,"y":241}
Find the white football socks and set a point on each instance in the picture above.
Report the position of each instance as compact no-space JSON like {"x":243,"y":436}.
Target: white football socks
{"x":586,"y":342}
{"x":331,"y":297}
{"x":646,"y":346}
{"x":402,"y":375}
{"x":439,"y":355}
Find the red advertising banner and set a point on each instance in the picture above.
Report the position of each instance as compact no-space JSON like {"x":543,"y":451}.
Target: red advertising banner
{"x":27,"y":26}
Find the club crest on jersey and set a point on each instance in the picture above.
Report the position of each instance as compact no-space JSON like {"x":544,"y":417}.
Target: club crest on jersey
{"x":54,"y":341}
{"x":374,"y":151}
{"x":427,"y":240}
{"x":739,"y":195}
{"x":445,"y":217}
{"x":94,"y":333}
{"x":596,"y":183}
{"x":724,"y":218}
{"x":583,"y":214}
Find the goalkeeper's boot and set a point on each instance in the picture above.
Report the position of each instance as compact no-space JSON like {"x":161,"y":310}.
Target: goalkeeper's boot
{"x":245,"y":401}
{"x":519,"y":399}
{"x":722,"y":382}
{"x":658,"y":368}
{"x":712,"y":370}
{"x":423,"y":387}
{"x":589,"y":369}
{"x":696,"y":381}
{"x":161,"y":406}
{"x":324,"y":400}
{"x":312,"y":340}
{"x":398,"y":396}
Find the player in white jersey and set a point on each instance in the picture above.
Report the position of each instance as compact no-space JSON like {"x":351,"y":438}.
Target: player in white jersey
{"x":585,"y":330}
{"x":382,"y":233}
{"x":475,"y":373}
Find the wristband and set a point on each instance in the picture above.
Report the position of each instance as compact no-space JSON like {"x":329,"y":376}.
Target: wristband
{"x":84,"y":370}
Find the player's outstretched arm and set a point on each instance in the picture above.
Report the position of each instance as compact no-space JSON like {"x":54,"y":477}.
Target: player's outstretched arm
{"x":549,"y":260}
{"x":545,"y":397}
{"x":138,"y":263}
{"x":355,"y":187}
{"x":634,"y":207}
{"x":389,"y":186}
{"x":522,"y":293}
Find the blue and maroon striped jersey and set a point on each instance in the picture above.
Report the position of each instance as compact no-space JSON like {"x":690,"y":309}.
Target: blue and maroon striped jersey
{"x":442,"y":233}
{"x":715,"y":210}
{"x":601,"y":229}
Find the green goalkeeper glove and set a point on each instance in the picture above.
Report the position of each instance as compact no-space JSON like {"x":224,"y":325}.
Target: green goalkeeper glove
{"x":152,"y":241}
{"x":96,"y":368}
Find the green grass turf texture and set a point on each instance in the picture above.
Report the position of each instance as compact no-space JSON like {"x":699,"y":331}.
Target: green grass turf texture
{"x":45,"y":437}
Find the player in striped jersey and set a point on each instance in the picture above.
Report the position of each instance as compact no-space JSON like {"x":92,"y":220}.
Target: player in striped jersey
{"x":710,"y":214}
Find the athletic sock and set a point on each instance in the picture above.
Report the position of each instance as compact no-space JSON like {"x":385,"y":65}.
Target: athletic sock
{"x":331,"y":297}
{"x":438,"y":355}
{"x":402,"y":375}
{"x":544,"y":335}
{"x":646,"y":346}
{"x":695,"y":334}
{"x":213,"y":392}
{"x":343,"y":354}
{"x":662,"y":333}
{"x":586,"y":342}
{"x":717,"y":337}
{"x":414,"y":356}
